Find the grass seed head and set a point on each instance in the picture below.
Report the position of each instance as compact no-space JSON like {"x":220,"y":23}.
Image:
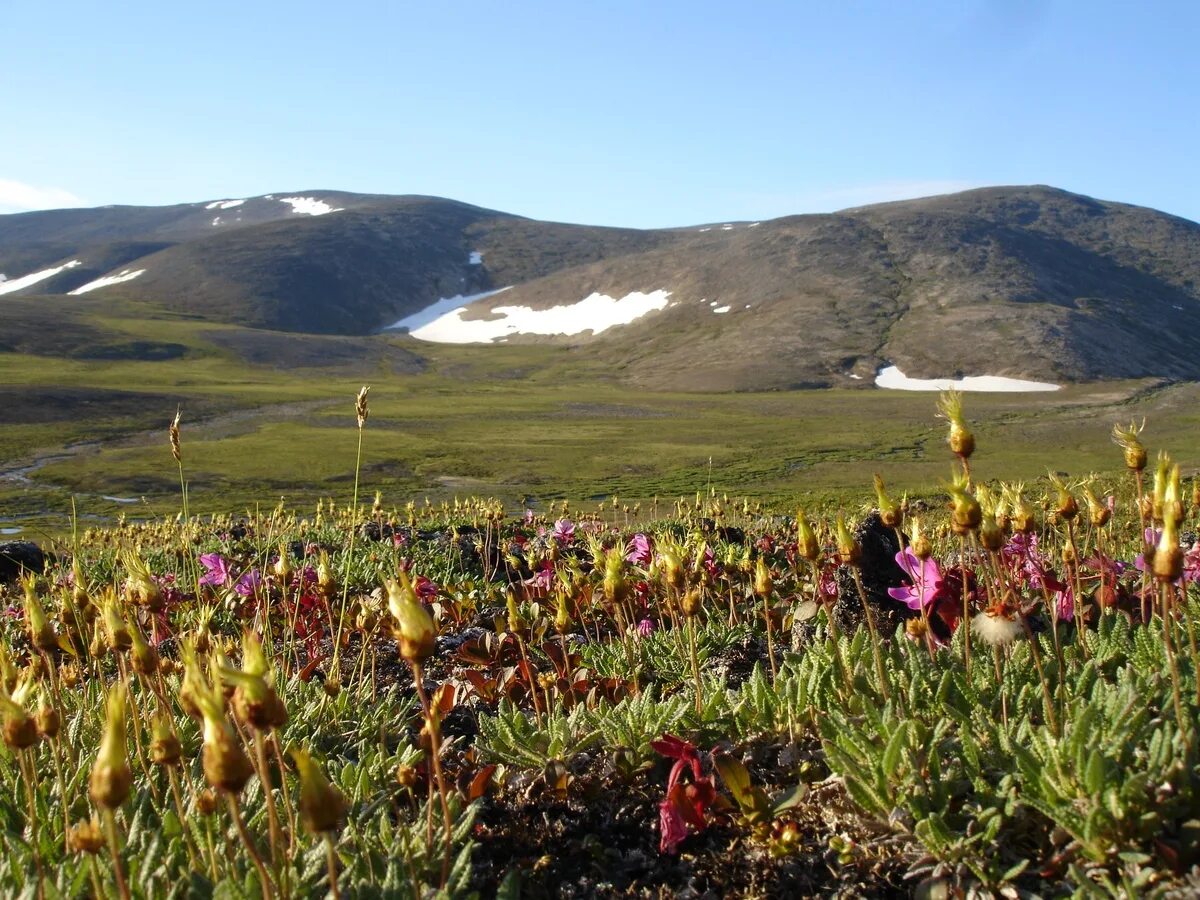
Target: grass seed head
{"x":360,"y":405}
{"x":173,"y":433}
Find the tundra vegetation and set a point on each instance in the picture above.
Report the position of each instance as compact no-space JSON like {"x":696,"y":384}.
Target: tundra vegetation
{"x":993,"y":690}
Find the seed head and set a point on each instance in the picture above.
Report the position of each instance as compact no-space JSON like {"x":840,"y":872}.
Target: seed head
{"x":961,"y":441}
{"x":995,"y":628}
{"x":849,"y":550}
{"x":360,"y":405}
{"x":1127,"y":440}
{"x":173,"y":433}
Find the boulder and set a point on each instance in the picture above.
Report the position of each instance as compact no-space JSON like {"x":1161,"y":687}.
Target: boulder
{"x":19,"y":556}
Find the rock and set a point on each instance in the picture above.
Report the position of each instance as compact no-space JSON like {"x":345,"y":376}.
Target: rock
{"x":19,"y":556}
{"x":879,"y":572}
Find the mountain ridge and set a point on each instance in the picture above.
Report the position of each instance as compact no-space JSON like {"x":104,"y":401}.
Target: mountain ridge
{"x":1028,"y":281}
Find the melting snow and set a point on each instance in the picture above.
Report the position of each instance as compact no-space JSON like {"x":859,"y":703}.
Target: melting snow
{"x":309,"y":206}
{"x":476,"y":258}
{"x":721,"y":309}
{"x":727,"y":227}
{"x":224,"y":204}
{"x":892,"y":377}
{"x":10,"y":286}
{"x":595,"y":313}
{"x":754,"y":224}
{"x":706,"y":229}
{"x":855,"y":376}
{"x":125,"y":275}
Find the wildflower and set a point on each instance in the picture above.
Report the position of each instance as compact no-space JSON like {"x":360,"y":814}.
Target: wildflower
{"x":111,"y":776}
{"x":217,"y":572}
{"x":616,"y":587}
{"x":638,"y":552}
{"x":645,"y":628}
{"x":925,"y":576}
{"x":685,"y":804}
{"x":564,"y":531}
{"x":249,"y":584}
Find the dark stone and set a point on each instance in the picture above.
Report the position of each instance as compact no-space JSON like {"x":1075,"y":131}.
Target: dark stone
{"x":878,"y":572}
{"x":19,"y":556}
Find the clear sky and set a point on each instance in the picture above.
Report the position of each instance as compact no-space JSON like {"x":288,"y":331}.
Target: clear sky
{"x":615,"y":113}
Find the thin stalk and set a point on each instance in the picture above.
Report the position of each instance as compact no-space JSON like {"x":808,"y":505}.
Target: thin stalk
{"x":435,"y":753}
{"x":331,"y":862}
{"x":235,"y":812}
{"x":110,"y":826}
{"x":878,"y":654}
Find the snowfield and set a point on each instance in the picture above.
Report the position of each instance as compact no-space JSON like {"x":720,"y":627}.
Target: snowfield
{"x":892,"y":378}
{"x":10,"y":286}
{"x":126,"y":275}
{"x":309,"y":206}
{"x":443,"y":322}
{"x":225,"y":204}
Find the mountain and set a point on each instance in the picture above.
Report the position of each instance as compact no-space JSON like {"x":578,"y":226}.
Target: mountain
{"x":1029,"y":282}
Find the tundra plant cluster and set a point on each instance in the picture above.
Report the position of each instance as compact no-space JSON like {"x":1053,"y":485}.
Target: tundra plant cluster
{"x":274,"y":704}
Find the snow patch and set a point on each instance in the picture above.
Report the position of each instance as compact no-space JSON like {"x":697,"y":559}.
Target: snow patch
{"x":224,"y":204}
{"x":721,"y":309}
{"x":891,"y":377}
{"x":727,"y":227}
{"x":13,"y":285}
{"x":476,"y":258}
{"x":856,"y":376}
{"x":595,"y":313}
{"x":309,"y":206}
{"x":216,"y":221}
{"x":120,"y":499}
{"x":706,"y":229}
{"x":11,"y":530}
{"x":754,"y":224}
{"x":123,"y":276}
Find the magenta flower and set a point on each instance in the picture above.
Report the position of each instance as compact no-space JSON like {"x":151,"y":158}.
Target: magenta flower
{"x":926,"y":579}
{"x":218,"y":573}
{"x":1064,"y":604}
{"x":638,"y":550}
{"x":645,"y":628}
{"x":248,"y":584}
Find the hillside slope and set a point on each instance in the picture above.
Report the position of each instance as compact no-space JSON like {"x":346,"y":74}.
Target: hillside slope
{"x":1031,"y":282}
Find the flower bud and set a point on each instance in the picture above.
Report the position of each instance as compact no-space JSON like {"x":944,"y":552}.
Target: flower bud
{"x":890,"y":513}
{"x":966,"y":515}
{"x":116,"y":632}
{"x":616,"y":588}
{"x":414,"y":630}
{"x":689,"y":603}
{"x":48,"y":721}
{"x":85,"y":837}
{"x":322,"y":806}
{"x":165,"y":749}
{"x":37,"y":626}
{"x":1066,"y":507}
{"x":807,"y":545}
{"x":325,"y":580}
{"x":672,"y":569}
{"x":1167,"y":564}
{"x":918,"y":542}
{"x":142,"y":656}
{"x":848,"y":549}
{"x":111,"y":776}
{"x":206,"y":802}
{"x":226,"y":766}
{"x":762,"y":578}
{"x":1098,"y":512}
{"x":16,"y":725}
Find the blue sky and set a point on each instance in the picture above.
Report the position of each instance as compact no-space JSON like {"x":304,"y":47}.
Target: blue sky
{"x":615,"y":113}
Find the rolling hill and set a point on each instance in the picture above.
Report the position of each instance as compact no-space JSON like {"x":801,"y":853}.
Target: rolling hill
{"x":1029,"y":282}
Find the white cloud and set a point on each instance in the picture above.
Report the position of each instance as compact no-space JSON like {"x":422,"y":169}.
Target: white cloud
{"x":16,"y":196}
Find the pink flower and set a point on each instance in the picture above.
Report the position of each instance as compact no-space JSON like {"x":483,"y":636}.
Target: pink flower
{"x":645,"y":628}
{"x":638,"y":551}
{"x":218,"y":573}
{"x":1064,"y":604}
{"x":926,"y":579}
{"x":564,"y":531}
{"x":248,"y":584}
